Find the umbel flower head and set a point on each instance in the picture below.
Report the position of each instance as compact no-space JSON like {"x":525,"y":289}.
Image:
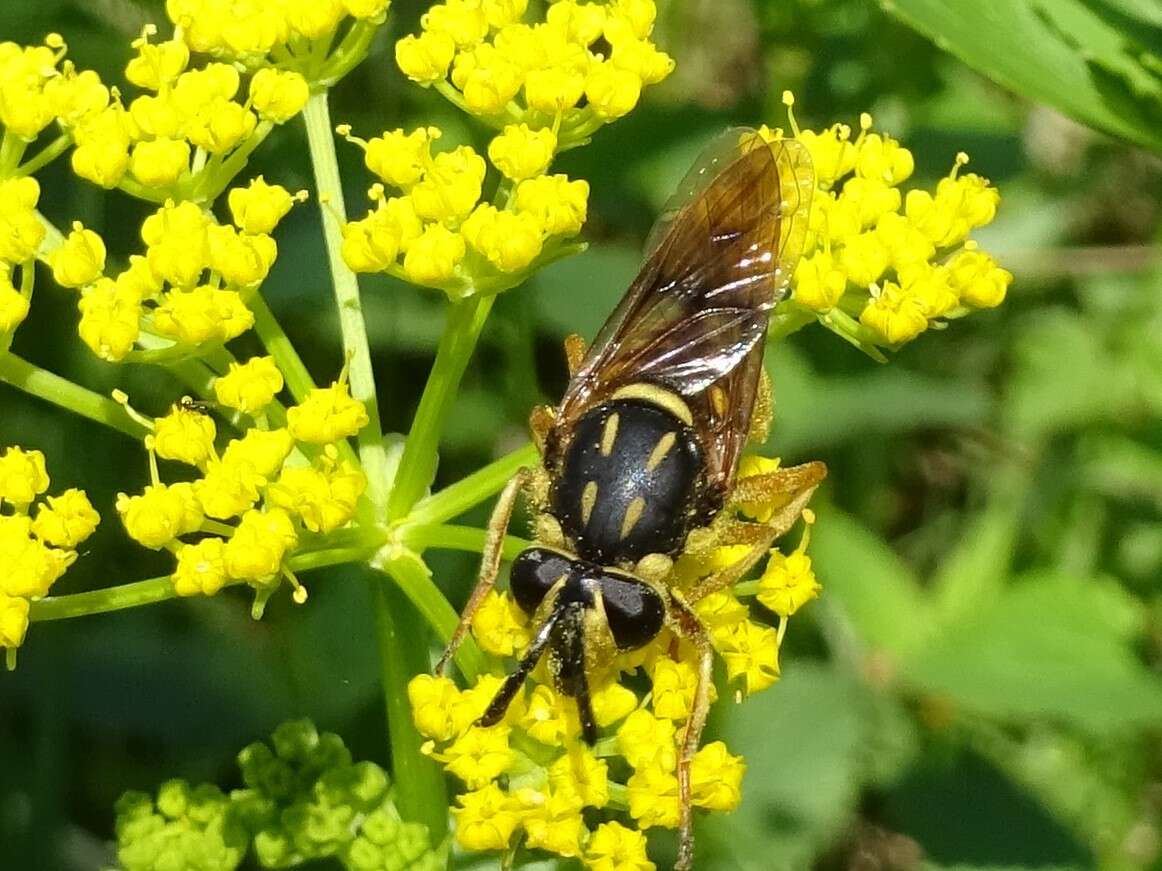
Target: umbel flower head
{"x":38,"y":539}
{"x":882,"y":266}
{"x":189,"y":131}
{"x":437,"y":231}
{"x":532,"y":773}
{"x":484,"y":57}
{"x":257,"y":497}
{"x":317,"y":39}
{"x":189,"y":289}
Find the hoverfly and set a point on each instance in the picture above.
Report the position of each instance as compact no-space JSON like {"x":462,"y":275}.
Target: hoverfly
{"x":645,"y":445}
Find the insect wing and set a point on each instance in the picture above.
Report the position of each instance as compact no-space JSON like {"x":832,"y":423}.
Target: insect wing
{"x":695,"y":318}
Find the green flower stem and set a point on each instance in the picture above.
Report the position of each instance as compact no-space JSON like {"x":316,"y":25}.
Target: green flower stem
{"x":35,"y":381}
{"x":11,"y":150}
{"x":196,"y":375}
{"x":453,"y":537}
{"x":417,"y":466}
{"x":372,"y":454}
{"x":274,"y":339}
{"x":153,"y":590}
{"x":788,"y":318}
{"x":421,"y":794}
{"x":209,"y":183}
{"x":468,"y":492}
{"x":46,"y":155}
{"x":350,"y":51}
{"x":415,"y":580}
{"x":53,"y":238}
{"x":103,"y":601}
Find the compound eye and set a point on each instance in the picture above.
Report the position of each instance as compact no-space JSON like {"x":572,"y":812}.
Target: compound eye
{"x":534,"y":572}
{"x":635,"y":611}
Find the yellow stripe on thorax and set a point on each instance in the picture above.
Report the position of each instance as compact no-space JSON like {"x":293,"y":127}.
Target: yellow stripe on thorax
{"x":659,"y":396}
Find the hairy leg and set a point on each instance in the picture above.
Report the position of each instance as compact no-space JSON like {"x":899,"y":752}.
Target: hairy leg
{"x":489,"y":562}
{"x":691,"y":628}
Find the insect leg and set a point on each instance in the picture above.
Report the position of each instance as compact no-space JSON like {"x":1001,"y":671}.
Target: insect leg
{"x":764,"y":410}
{"x":512,"y":684}
{"x":794,"y":486}
{"x":574,"y":352}
{"x":541,"y":420}
{"x":691,"y":627}
{"x":489,"y":562}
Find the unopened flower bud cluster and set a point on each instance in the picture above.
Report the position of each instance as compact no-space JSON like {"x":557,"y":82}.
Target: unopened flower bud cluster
{"x":304,"y":800}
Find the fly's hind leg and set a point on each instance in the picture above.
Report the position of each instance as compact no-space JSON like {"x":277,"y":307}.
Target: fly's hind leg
{"x":574,"y":352}
{"x":489,"y":562}
{"x":764,"y":410}
{"x":691,"y":627}
{"x":789,"y":489}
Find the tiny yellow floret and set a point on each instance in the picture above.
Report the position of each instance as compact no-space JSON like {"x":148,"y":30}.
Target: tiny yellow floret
{"x":66,"y":520}
{"x":258,"y":207}
{"x":160,"y":514}
{"x":201,"y":568}
{"x":185,"y":434}
{"x":613,"y":847}
{"x":485,"y":819}
{"x":521,"y":152}
{"x":256,"y":550}
{"x":250,"y":386}
{"x":80,"y":260}
{"x":326,"y":415}
{"x":22,"y":476}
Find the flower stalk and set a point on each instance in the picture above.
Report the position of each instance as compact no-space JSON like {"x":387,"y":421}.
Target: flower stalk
{"x":372,"y":455}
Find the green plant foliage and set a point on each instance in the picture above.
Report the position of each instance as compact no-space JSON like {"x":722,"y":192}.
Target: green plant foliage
{"x":304,"y":800}
{"x":1097,"y":61}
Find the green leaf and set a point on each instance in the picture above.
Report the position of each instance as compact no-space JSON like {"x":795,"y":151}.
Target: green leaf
{"x":1022,"y":45}
{"x":867,"y":584}
{"x":576,"y":295}
{"x":1066,"y":376}
{"x":813,"y":411}
{"x":1049,"y":646}
{"x":809,"y":743}
{"x":977,"y":565}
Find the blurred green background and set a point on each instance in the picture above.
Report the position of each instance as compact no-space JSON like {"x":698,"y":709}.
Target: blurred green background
{"x":980,"y":686}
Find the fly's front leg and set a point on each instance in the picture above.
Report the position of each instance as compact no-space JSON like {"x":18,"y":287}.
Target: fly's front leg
{"x":489,"y":562}
{"x":691,"y":627}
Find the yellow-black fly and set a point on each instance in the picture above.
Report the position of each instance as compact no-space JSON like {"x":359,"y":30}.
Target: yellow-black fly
{"x":645,"y":445}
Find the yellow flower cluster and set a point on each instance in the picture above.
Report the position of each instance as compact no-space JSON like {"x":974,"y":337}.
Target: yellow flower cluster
{"x":191,"y":285}
{"x":21,"y":234}
{"x":533,"y":773}
{"x":36,"y":546}
{"x":185,"y":137}
{"x":258,"y":495}
{"x":438,"y":233}
{"x":487,"y":60}
{"x":287,"y":33}
{"x":190,"y":131}
{"x":881,"y":266}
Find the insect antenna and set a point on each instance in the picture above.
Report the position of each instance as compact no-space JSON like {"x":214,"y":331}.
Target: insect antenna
{"x":512,"y":684}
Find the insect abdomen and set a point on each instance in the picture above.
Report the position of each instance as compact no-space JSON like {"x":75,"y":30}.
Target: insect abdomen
{"x":628,"y":481}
